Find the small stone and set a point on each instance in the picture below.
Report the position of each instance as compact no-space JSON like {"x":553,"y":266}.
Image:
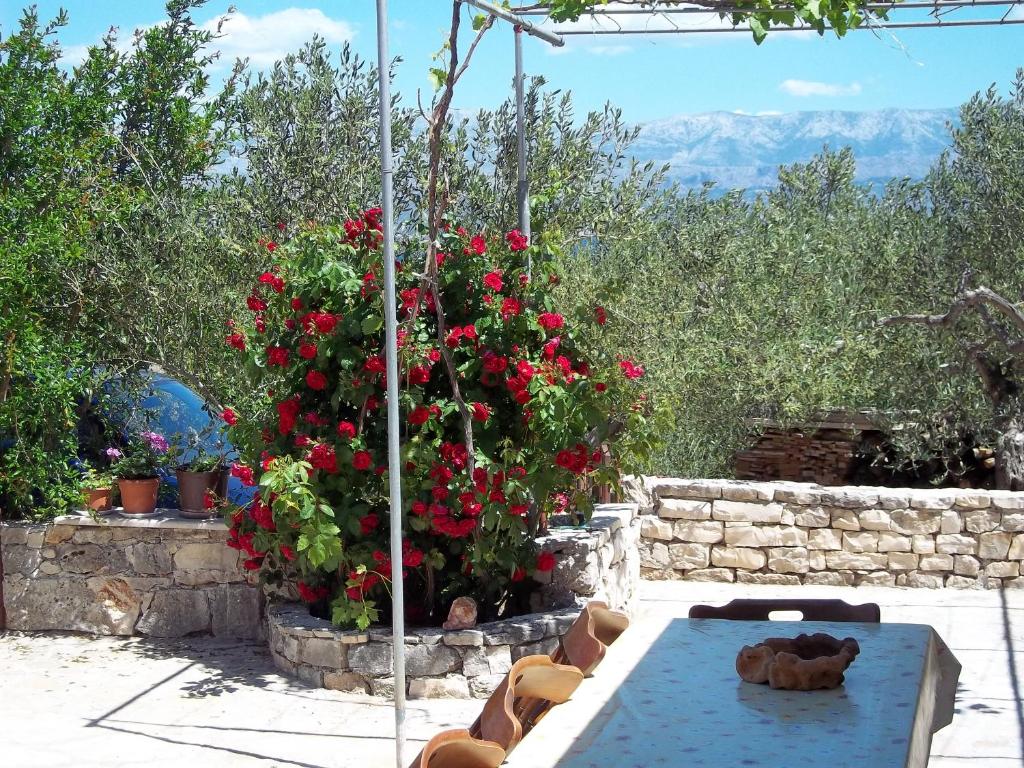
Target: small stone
{"x":799,"y":493}
{"x":348,"y":682}
{"x":1016,"y":549}
{"x":876,"y":579}
{"x":371,"y":659}
{"x":431,"y":660}
{"x":788,"y":560}
{"x":825,"y":538}
{"x":893,"y":542}
{"x":729,"y":557}
{"x":902,"y":561}
{"x":961,"y":582}
{"x":926,"y":580}
{"x":1002,"y":570}
{"x":994,"y":546}
{"x":746,"y":512}
{"x":922,"y":545}
{"x":688,"y":556}
{"x":310,"y":675}
{"x":462,"y":614}
{"x":482,"y":687}
{"x":875,"y":519}
{"x":982,"y":520}
{"x":812,"y":517}
{"x":845,"y":520}
{"x":491,"y":660}
{"x":972,"y":500}
{"x":449,"y":687}
{"x":654,"y":555}
{"x":950,"y":522}
{"x":321,"y":652}
{"x":778,"y":579}
{"x":1007,"y":500}
{"x":654,"y":528}
{"x":765,"y":536}
{"x":1012,"y":521}
{"x":856,"y":561}
{"x":932,"y":499}
{"x":677,"y":488}
{"x":916,"y":521}
{"x":816,"y":559}
{"x":710,"y":574}
{"x":826,"y":578}
{"x":463,"y":637}
{"x":891,"y":498}
{"x":865,"y":541}
{"x":212,"y":556}
{"x":382,"y":686}
{"x":936,"y":563}
{"x":955,"y":544}
{"x":699,"y":531}
{"x":175,"y":613}
{"x":965,"y":565}
{"x":684,"y":509}
{"x":56,"y":534}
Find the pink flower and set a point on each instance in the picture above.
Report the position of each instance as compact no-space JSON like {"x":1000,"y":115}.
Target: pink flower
{"x":631,"y":370}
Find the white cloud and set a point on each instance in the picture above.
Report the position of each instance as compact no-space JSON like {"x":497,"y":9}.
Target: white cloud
{"x":262,"y":39}
{"x":266,"y":39}
{"x":804,"y":88}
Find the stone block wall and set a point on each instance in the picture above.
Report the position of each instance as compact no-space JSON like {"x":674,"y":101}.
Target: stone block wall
{"x":801,"y":533}
{"x":161,"y":576}
{"x":598,"y":562}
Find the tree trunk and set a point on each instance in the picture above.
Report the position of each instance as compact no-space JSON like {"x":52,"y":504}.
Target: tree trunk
{"x":1010,"y":458}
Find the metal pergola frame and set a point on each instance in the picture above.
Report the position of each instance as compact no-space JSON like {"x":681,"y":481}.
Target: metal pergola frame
{"x":556,"y":37}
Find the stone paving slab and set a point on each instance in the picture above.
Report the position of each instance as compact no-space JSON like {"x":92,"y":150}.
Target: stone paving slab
{"x":73,"y":701}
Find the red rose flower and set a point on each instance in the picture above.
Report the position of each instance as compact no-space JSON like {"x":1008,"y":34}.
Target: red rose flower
{"x":494,"y":363}
{"x":550,"y":321}
{"x":229,"y":416}
{"x":470,"y":332}
{"x":307,"y":350}
{"x":346,"y":429}
{"x":478,"y":245}
{"x":368,"y":524}
{"x":600,"y":386}
{"x":545,"y":562}
{"x":481,"y":412}
{"x":297,"y":304}
{"x":316,"y":380}
{"x":276,"y":283}
{"x":374,"y":364}
{"x":493,"y":281}
{"x":419,"y":415}
{"x":277,"y":356}
{"x":419,"y":375}
{"x":518,"y":574}
{"x":236,"y":340}
{"x":600,"y":315}
{"x":510,"y":307}
{"x":255,"y":303}
{"x":362,"y":460}
{"x":516,"y":240}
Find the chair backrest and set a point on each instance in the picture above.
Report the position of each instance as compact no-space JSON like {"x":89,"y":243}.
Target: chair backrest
{"x":585,"y":642}
{"x":457,"y":749}
{"x":497,"y":721}
{"x":538,"y":677}
{"x":810,"y":610}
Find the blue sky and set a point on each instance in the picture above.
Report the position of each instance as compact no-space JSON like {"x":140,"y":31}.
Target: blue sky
{"x":650,"y":77}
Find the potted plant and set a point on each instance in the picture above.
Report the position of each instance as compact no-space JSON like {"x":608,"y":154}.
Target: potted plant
{"x":97,"y":488}
{"x":199,"y":481}
{"x":137,"y":472}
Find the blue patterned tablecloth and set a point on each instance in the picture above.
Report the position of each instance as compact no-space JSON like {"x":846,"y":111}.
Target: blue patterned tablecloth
{"x":667,"y":694}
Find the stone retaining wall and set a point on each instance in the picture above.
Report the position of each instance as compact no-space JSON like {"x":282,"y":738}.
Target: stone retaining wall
{"x":161,"y":576}
{"x":800,"y":533}
{"x":599,"y":562}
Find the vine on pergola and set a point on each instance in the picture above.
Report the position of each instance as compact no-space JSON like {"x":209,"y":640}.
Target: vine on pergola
{"x":759,"y":15}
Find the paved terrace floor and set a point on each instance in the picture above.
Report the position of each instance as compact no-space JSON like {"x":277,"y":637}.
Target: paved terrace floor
{"x":74,"y":701}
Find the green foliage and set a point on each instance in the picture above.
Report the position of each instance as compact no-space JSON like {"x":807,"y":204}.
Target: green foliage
{"x":759,"y":15}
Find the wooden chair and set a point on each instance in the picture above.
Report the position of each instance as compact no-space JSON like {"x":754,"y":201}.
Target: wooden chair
{"x":458,"y":749}
{"x":586,"y":641}
{"x":810,"y":610}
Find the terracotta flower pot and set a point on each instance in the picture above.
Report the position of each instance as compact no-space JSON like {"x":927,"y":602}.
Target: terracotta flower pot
{"x":192,"y":490}
{"x":138,"y":497}
{"x":98,"y":499}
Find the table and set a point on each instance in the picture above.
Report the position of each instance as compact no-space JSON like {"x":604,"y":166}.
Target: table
{"x":667,"y":694}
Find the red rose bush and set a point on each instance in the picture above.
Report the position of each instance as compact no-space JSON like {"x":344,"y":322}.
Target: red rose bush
{"x":509,"y":408}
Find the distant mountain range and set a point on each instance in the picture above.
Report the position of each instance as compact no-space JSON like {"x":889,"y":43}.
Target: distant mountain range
{"x":745,"y":151}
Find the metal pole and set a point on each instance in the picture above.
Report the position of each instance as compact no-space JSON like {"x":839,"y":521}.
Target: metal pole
{"x":523,"y":189}
{"x":391,"y":332}
{"x":937,"y":24}
{"x":511,"y":18}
